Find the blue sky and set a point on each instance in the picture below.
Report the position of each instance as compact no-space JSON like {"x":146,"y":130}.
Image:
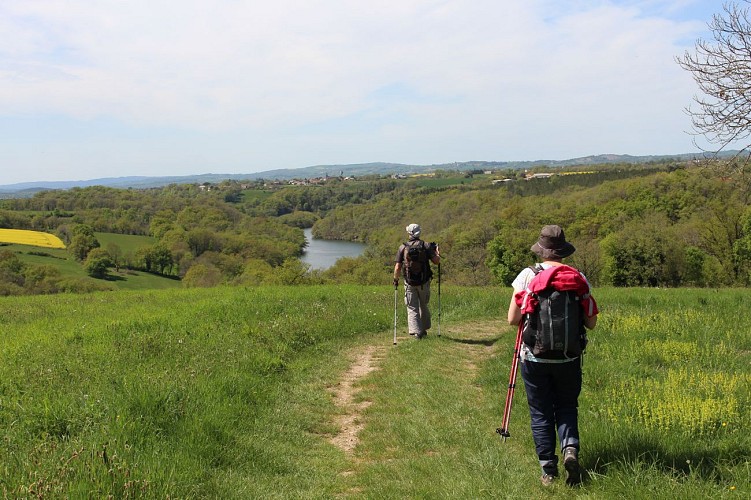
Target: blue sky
{"x":115,"y":88}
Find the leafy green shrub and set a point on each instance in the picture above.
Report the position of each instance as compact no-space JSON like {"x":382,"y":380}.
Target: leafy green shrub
{"x":202,"y":275}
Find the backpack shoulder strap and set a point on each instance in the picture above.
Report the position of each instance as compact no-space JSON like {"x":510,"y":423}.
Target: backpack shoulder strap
{"x":536,"y":269}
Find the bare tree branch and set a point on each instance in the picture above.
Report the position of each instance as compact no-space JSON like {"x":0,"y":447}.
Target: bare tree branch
{"x":721,"y":68}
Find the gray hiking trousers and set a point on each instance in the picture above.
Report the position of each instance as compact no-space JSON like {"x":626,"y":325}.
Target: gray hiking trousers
{"x":416,"y":298}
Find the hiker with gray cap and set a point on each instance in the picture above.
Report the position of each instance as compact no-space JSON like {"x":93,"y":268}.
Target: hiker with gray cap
{"x":553,"y":305}
{"x":413,"y":262}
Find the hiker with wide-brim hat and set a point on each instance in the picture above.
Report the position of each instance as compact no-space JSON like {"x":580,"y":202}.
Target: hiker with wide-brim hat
{"x":552,"y":244}
{"x":553,"y":375}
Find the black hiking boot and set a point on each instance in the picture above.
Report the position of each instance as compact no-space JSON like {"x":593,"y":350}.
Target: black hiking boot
{"x":571,"y":464}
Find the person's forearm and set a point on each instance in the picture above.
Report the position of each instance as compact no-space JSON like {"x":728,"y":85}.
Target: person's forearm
{"x":514,"y":313}
{"x":590,"y":322}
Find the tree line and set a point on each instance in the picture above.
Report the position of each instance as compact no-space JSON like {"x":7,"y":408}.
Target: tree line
{"x":672,"y":226}
{"x":667,"y":224}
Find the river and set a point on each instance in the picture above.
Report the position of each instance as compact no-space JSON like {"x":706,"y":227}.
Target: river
{"x":322,"y":254}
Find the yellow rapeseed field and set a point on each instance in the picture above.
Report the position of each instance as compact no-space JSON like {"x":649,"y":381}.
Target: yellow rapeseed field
{"x":33,"y":238}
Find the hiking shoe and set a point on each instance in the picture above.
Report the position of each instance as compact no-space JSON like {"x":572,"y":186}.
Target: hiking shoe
{"x":547,"y":479}
{"x":571,"y":464}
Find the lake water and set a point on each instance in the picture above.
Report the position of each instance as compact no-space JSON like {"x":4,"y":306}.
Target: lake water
{"x":322,"y":254}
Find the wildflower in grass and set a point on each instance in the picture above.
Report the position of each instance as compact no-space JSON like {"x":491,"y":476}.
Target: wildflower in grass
{"x":695,"y":402}
{"x":669,"y":351}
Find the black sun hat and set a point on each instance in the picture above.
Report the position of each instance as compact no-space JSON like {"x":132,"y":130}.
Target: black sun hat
{"x":552,"y":244}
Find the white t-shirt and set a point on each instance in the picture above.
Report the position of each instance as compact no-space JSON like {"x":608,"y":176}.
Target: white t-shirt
{"x":523,"y":278}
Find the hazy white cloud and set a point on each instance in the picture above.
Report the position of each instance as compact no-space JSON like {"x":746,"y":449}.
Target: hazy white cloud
{"x":118,"y":87}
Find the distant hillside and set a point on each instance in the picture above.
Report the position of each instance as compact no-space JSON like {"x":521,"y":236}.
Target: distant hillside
{"x":361,"y":169}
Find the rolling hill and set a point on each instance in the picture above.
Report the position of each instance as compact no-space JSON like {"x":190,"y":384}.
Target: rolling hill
{"x":27,"y":189}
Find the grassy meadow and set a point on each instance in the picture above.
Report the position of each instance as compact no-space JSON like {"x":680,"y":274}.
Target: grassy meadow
{"x":62,"y":260}
{"x":226,"y":393}
{"x":128,"y":243}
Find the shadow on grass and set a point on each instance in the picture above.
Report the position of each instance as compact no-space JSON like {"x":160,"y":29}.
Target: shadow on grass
{"x":114,"y":277}
{"x":486,"y":342}
{"x":707,"y":463}
{"x":123,"y":275}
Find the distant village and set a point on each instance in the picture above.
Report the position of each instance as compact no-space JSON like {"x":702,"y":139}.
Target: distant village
{"x":323,"y":180}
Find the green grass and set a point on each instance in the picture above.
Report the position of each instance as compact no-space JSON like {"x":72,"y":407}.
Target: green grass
{"x":669,"y":392}
{"x":57,"y":257}
{"x":225,"y":393}
{"x":255,"y":195}
{"x":141,"y":281}
{"x":128,"y":243}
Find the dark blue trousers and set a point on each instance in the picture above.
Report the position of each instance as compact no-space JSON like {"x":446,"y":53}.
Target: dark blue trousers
{"x":553,"y":396}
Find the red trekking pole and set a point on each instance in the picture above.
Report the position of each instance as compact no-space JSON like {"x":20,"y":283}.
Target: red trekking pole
{"x":503,"y":430}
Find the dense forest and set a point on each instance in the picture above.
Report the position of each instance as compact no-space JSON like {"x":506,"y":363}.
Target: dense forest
{"x":668,"y":224}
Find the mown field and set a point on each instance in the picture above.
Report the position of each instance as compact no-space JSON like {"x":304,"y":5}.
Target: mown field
{"x":225,"y":393}
{"x":128,"y":243}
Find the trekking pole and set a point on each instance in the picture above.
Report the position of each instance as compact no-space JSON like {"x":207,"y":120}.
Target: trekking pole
{"x":503,"y":429}
{"x":396,"y":291}
{"x":439,"y":299}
